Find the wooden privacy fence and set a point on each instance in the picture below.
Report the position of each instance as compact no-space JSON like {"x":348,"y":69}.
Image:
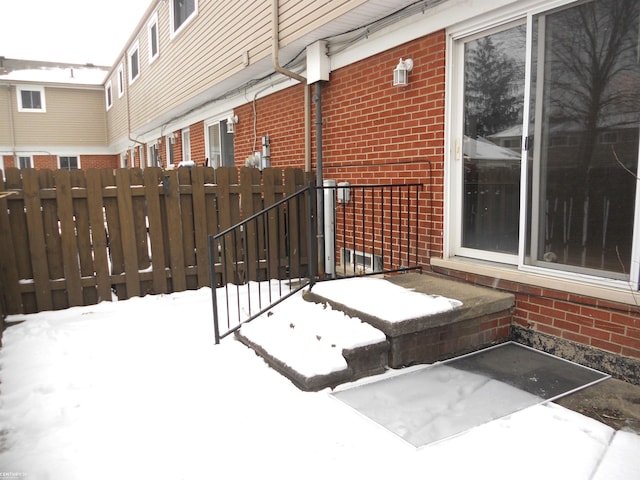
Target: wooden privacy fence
{"x":79,"y":237}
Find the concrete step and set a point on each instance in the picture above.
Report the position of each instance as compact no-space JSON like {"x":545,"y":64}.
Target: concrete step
{"x":399,"y":310}
{"x":483,"y":318}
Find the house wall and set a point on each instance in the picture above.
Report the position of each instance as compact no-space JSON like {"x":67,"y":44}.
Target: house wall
{"x":73,"y":117}
{"x":373,"y":132}
{"x":51,"y":161}
{"x":201,"y":55}
{"x":376,"y":133}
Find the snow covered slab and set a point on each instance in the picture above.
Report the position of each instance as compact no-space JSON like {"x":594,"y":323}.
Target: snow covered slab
{"x":315,"y":346}
{"x":377,"y":297}
{"x":432,"y":403}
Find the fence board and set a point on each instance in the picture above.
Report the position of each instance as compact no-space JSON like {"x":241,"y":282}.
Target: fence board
{"x":68,"y":237}
{"x":97,"y":220}
{"x":37,"y":246}
{"x":114,"y":235}
{"x":200,"y":224}
{"x":249,"y":177}
{"x":83,"y":232}
{"x":186,"y":216}
{"x":152,"y":178}
{"x":174,"y":229}
{"x":127,"y":228}
{"x":9,"y":279}
{"x":75,"y":236}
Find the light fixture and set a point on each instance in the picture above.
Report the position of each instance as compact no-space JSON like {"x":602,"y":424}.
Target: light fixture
{"x":401,"y":73}
{"x":231,"y":122}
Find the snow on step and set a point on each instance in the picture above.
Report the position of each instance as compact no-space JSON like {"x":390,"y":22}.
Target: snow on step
{"x":309,"y":337}
{"x":382,"y":299}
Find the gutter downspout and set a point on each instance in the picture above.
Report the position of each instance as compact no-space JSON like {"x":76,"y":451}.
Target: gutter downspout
{"x":276,"y":65}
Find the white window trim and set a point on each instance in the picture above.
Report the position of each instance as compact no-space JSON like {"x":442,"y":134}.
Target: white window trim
{"x":108,"y":95}
{"x":453,"y":253}
{"x":150,"y":146}
{"x":76,"y":156}
{"x":2,"y":163}
{"x":153,"y":21}
{"x":124,"y":156}
{"x":120,"y":74}
{"x":134,"y":48}
{"x":187,"y":151}
{"x":170,"y":143}
{"x":173,"y":32}
{"x":30,"y":157}
{"x":31,"y":88}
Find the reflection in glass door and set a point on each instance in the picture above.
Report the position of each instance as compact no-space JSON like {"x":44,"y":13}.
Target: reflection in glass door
{"x":586,"y":104}
{"x":494,"y":78}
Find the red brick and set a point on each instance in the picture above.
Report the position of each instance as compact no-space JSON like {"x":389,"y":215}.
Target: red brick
{"x":608,"y":326}
{"x":625,"y":341}
{"x":595,"y":333}
{"x":564,"y":325}
{"x":595,"y":313}
{"x":549,"y":330}
{"x":623,"y":319}
{"x":608,"y":346}
{"x":575,"y":337}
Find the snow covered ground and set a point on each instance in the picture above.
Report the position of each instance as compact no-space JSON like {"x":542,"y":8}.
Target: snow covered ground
{"x":137,"y":389}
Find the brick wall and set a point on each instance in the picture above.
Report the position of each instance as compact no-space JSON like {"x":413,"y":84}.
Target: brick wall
{"x":51,"y":161}
{"x":196,"y":135}
{"x":281,"y":116}
{"x":609,"y":326}
{"x":373,"y":132}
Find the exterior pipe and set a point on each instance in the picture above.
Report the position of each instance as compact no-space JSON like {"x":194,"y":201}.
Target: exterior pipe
{"x":275,"y":44}
{"x":317,"y":100}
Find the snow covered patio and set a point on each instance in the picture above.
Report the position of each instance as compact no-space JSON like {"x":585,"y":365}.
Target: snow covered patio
{"x":137,"y":389}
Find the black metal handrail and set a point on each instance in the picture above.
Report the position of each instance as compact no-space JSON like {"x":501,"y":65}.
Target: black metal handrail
{"x":264,"y":262}
{"x":376,"y":232}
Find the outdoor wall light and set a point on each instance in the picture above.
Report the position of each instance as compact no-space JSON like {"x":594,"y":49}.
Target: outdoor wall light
{"x":231,"y":123}
{"x":401,"y":73}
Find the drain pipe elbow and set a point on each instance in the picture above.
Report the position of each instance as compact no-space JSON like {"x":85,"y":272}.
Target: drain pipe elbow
{"x":275,"y":55}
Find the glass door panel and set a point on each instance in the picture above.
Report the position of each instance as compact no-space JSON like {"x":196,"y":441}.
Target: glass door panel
{"x":586,"y":107}
{"x":494,"y":79}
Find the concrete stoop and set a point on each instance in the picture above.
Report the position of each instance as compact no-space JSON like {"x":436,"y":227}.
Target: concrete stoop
{"x":483,"y":319}
{"x":361,"y":362}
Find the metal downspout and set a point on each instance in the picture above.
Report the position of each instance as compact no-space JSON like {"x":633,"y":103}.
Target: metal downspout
{"x":275,"y":44}
{"x":317,"y":100}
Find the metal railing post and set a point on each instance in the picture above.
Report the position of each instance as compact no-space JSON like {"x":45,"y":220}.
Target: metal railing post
{"x":214,"y":290}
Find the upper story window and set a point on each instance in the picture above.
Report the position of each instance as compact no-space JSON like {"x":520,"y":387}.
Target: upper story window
{"x":152,"y":28}
{"x":108,"y":93}
{"x":31,"y":99}
{"x":134,"y":62}
{"x":182,"y":12}
{"x":68,"y":162}
{"x":120,"y":80}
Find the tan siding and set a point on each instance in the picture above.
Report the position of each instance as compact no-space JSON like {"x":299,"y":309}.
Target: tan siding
{"x":299,"y":18}
{"x":210,"y":49}
{"x":73,"y":117}
{"x":117,"y":114}
{"x":5,"y":114}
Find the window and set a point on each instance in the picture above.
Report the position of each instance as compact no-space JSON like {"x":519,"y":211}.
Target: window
{"x":68,"y":163}
{"x":134,"y":62}
{"x":566,"y":202}
{"x":186,"y":146}
{"x":152,"y":30}
{"x":31,"y":99}
{"x":25,"y":162}
{"x":120,"y":75}
{"x":219,"y":144}
{"x":124,"y":160}
{"x":170,"y":141}
{"x":153,"y":159}
{"x":182,"y":12}
{"x":108,"y":92}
